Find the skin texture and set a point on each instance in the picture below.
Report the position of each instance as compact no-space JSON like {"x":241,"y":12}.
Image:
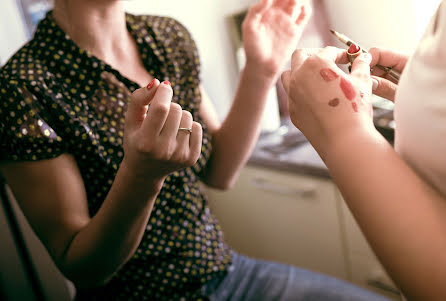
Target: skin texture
{"x":401,"y":215}
{"x":89,"y":249}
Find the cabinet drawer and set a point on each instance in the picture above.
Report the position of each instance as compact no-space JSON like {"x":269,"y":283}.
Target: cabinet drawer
{"x":282,"y":217}
{"x":368,"y":273}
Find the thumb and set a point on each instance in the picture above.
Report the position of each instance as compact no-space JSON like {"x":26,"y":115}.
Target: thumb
{"x":361,"y":66}
{"x":137,"y":108}
{"x":384,"y":88}
{"x":286,"y":80}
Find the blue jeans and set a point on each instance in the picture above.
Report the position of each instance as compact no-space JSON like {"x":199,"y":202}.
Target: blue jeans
{"x":251,"y":279}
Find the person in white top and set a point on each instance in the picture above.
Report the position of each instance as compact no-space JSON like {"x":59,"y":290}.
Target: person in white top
{"x":397,"y":195}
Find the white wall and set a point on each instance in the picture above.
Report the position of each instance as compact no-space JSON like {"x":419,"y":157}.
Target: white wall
{"x":371,"y":23}
{"x":12,"y":29}
{"x":392,"y":24}
{"x":207,"y":23}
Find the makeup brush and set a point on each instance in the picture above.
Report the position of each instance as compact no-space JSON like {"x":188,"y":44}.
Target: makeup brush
{"x":394,"y":75}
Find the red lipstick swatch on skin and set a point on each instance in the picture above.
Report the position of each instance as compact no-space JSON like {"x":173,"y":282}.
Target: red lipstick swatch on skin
{"x":328,"y":75}
{"x":334,"y":102}
{"x":355,"y":107}
{"x":348,"y":89}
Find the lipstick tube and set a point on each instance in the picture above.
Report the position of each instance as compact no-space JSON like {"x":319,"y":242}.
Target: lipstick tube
{"x":392,"y":74}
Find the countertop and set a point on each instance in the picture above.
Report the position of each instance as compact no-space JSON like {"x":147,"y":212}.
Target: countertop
{"x":287,"y":150}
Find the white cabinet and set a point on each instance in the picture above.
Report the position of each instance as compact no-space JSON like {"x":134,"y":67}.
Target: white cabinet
{"x":283,"y":217}
{"x":300,"y":220}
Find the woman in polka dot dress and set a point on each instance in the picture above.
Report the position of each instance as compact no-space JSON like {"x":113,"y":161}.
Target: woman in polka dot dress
{"x":100,"y":147}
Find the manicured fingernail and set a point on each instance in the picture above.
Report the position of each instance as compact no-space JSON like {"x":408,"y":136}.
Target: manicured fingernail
{"x":374,"y":84}
{"x":167,"y":83}
{"x":151,"y":84}
{"x":366,"y":57}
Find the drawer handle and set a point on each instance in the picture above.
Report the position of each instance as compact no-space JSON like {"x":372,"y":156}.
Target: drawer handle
{"x":383,"y":286}
{"x":265,"y":185}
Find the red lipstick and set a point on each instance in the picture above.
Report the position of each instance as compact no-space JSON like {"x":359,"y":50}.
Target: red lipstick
{"x":353,"y":49}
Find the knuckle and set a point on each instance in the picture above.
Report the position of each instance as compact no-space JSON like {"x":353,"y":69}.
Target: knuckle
{"x":192,"y":160}
{"x":197,"y":126}
{"x":160,"y":109}
{"x":313,"y":61}
{"x":169,"y":151}
{"x":144,"y":146}
{"x":175,"y":108}
{"x":187,"y":115}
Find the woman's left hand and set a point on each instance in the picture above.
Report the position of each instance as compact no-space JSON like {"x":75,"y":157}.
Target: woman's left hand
{"x":324,"y":102}
{"x":271,"y":31}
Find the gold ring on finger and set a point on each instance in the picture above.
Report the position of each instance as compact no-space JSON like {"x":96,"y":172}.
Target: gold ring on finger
{"x":185,"y":129}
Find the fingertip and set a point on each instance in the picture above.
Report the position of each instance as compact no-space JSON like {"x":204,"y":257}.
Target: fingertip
{"x":143,"y":96}
{"x":362,"y":64}
{"x":305,"y":13}
{"x":197,"y":125}
{"x":286,"y":80}
{"x":375,"y":83}
{"x":366,"y":57}
{"x":375,"y":53}
{"x":196,"y":137}
{"x":165,"y":87}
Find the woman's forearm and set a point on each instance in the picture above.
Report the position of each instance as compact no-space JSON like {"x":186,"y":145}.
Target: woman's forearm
{"x":403,"y":218}
{"x":111,"y":237}
{"x":234,"y":140}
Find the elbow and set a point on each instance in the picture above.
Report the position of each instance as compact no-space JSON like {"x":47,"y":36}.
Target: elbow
{"x":222,"y":184}
{"x":85,"y":274}
{"x":86,"y":281}
{"x":86,"y":284}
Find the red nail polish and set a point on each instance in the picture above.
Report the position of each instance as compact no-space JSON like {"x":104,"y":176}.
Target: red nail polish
{"x":151,"y":84}
{"x":167,"y":83}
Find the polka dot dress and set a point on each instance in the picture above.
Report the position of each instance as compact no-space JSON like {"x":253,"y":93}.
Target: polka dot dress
{"x":57,"y":98}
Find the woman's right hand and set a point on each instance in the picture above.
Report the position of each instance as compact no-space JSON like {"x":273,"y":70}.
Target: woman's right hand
{"x":383,"y":85}
{"x":153,"y":145}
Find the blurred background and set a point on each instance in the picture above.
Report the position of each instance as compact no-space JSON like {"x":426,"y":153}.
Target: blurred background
{"x":284,"y":207}
{"x":393,"y":24}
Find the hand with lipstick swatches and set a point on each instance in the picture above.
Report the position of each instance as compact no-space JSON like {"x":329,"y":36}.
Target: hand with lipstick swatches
{"x":323,"y":99}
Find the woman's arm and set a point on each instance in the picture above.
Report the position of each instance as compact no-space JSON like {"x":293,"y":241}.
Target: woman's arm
{"x":403,"y":218}
{"x":235,"y":138}
{"x":88,"y":250}
{"x":271,"y":31}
